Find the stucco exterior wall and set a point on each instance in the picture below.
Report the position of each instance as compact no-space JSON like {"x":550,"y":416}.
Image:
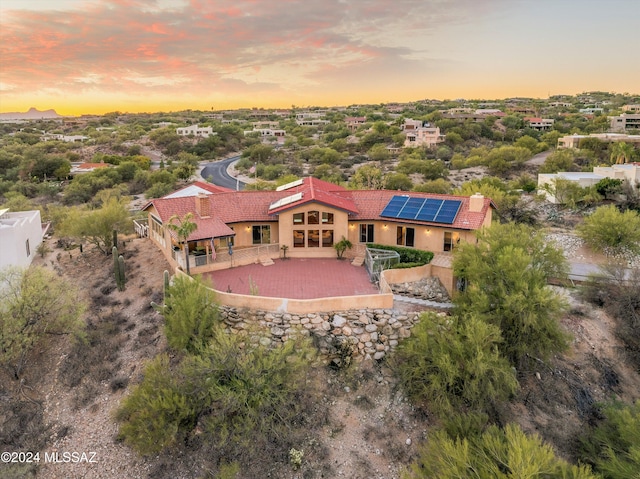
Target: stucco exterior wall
{"x":286,"y":227}
{"x":428,"y":238}
{"x":20,"y":236}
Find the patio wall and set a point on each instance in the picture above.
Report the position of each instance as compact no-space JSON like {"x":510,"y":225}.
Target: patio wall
{"x":303,"y":306}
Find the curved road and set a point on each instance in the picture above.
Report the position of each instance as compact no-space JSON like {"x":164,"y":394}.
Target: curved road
{"x":217,"y":174}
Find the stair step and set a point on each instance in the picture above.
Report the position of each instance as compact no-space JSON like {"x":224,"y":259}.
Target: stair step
{"x":358,"y":261}
{"x":266,"y":261}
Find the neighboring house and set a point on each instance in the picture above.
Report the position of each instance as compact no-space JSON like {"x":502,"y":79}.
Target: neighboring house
{"x":20,"y":235}
{"x":65,"y":138}
{"x":540,"y":124}
{"x":195,"y":130}
{"x":312,"y":122}
{"x":631,"y":108}
{"x":629,"y":172}
{"x":87,"y":167}
{"x":419,"y":134}
{"x":573,"y":141}
{"x":355,"y":122}
{"x":625,"y":122}
{"x":268,"y":134}
{"x":591,"y":111}
{"x":309,"y":216}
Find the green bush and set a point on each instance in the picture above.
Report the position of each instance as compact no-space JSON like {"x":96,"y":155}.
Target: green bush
{"x":407,"y":255}
{"x":609,"y":228}
{"x":190,"y":315}
{"x":157,"y":412}
{"x":613,"y":447}
{"x":406,"y":265}
{"x":245,"y":402}
{"x":451,"y":364}
{"x":497,"y":453}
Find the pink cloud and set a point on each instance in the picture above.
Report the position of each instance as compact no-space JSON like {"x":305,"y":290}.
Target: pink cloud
{"x":202,"y":43}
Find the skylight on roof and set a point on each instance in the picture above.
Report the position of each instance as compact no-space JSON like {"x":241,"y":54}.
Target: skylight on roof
{"x":285,"y":201}
{"x":289,"y":185}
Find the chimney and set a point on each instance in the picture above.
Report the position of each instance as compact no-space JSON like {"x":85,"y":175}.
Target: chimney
{"x":203,"y":205}
{"x":476,"y":203}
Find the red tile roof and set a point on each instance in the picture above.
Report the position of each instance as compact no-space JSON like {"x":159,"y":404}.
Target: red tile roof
{"x":371,"y":203}
{"x":209,"y":227}
{"x":230,"y":207}
{"x":319,"y":191}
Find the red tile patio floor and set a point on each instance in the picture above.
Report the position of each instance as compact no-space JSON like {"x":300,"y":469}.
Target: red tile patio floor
{"x":297,"y":278}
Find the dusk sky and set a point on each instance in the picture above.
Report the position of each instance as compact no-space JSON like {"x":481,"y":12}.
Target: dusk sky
{"x":97,"y":56}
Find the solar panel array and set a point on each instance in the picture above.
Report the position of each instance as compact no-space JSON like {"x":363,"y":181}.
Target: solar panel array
{"x":422,"y":209}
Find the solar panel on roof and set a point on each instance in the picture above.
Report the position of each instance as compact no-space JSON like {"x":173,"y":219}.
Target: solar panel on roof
{"x":422,"y":209}
{"x":394,"y":206}
{"x":448,"y":212}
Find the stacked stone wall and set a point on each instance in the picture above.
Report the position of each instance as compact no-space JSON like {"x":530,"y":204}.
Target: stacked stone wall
{"x":367,"y":333}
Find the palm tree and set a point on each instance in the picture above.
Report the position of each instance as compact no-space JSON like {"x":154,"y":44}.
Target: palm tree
{"x":621,"y":152}
{"x":183,"y":229}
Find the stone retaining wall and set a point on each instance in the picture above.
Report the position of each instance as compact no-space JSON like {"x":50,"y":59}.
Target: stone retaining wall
{"x":368,"y":333}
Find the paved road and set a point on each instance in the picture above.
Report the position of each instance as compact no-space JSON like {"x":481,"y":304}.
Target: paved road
{"x":538,"y":160}
{"x":217,"y":174}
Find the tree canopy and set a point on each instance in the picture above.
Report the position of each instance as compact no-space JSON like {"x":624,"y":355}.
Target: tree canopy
{"x":505,"y":277}
{"x":34,"y":303}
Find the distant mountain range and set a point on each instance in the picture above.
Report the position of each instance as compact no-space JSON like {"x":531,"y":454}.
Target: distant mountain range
{"x":32,"y":114}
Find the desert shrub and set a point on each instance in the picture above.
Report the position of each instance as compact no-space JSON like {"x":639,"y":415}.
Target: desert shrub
{"x":609,"y":228}
{"x":506,"y":284}
{"x":613,"y":446}
{"x":247,"y":403}
{"x":616,"y":290}
{"x":190,"y":314}
{"x":453,"y":364}
{"x":157,"y":412}
{"x":497,"y":453}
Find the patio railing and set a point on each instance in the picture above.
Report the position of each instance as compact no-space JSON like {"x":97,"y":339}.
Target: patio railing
{"x":240,"y":256}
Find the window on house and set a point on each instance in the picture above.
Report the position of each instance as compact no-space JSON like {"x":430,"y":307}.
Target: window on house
{"x":261,"y":234}
{"x":298,"y":238}
{"x":298,"y":218}
{"x":327,"y":238}
{"x":327,"y":218}
{"x":28,"y":248}
{"x":451,"y":239}
{"x":314,"y":239}
{"x":405,"y":236}
{"x":366,"y":233}
{"x":313,"y":217}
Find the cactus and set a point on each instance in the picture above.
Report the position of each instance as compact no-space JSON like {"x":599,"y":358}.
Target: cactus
{"x":165,"y":275}
{"x":118,"y":268}
{"x":115,"y":238}
{"x":121,"y":273}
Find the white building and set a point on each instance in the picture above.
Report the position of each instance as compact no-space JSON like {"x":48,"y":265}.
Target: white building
{"x":628,"y":171}
{"x":20,"y":236}
{"x":195,"y":130}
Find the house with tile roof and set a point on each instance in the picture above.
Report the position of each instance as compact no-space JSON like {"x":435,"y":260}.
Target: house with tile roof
{"x":307,"y":217}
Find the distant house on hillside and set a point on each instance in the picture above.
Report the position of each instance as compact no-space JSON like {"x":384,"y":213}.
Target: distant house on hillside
{"x":195,"y":130}
{"x":540,"y":124}
{"x":419,"y":133}
{"x":88,"y":167}
{"x":20,"y":235}
{"x":573,"y":141}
